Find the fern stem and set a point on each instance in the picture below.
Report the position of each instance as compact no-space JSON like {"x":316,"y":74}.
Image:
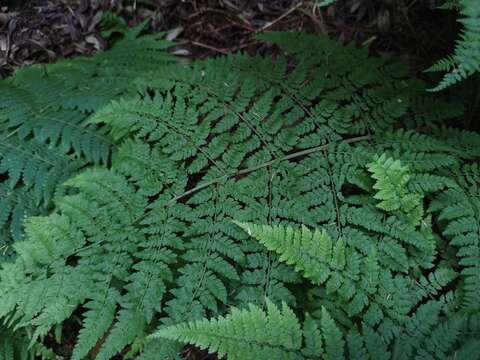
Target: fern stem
{"x":265,"y":164}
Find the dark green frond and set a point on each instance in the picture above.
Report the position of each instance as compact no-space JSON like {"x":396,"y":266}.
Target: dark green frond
{"x":465,"y":61}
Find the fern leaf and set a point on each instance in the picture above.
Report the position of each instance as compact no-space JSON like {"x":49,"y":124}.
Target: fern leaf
{"x":465,"y":61}
{"x":391,"y":185}
{"x":97,"y":321}
{"x":311,"y":252}
{"x":160,"y":350}
{"x":274,"y":333}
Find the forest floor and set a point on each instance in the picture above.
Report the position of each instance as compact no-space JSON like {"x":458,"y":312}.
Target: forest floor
{"x":43,"y":31}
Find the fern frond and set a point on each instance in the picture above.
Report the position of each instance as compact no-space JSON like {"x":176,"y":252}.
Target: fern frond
{"x":160,"y":350}
{"x":459,"y":213}
{"x":391,"y":185}
{"x":36,"y":166}
{"x":271,"y":334}
{"x":465,"y":61}
{"x":97,"y":321}
{"x":15,"y":346}
{"x":313,"y":253}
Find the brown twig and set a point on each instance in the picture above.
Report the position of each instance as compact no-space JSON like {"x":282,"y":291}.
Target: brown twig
{"x":221,"y":51}
{"x":284,"y":15}
{"x":263,"y":165}
{"x":319,"y":24}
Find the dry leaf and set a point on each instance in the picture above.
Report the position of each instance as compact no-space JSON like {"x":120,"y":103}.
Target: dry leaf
{"x":173,"y":33}
{"x":92,"y":39}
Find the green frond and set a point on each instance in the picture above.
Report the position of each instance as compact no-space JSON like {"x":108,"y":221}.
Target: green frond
{"x":391,"y":185}
{"x":312,"y":253}
{"x":97,"y":321}
{"x":33,"y":176}
{"x":459,"y":213}
{"x":160,"y":350}
{"x":36,"y":166}
{"x":465,"y":60}
{"x":42,"y":118}
{"x":15,"y":346}
{"x":268,"y":334}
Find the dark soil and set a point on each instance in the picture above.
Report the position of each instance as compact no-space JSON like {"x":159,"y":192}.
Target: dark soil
{"x":42,"y":31}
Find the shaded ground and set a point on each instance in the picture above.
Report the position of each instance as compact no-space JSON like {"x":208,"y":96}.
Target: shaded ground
{"x":45,"y":30}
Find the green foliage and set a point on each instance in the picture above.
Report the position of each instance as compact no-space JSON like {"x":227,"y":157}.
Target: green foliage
{"x":112,"y":23}
{"x":391,"y":185}
{"x":459,"y":213}
{"x":465,"y":60}
{"x":274,"y":334}
{"x":45,"y":139}
{"x":15,"y":346}
{"x":140,"y":237}
{"x":312,"y":253}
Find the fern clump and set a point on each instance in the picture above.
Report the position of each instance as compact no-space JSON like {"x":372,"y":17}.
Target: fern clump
{"x":322,"y":337}
{"x":45,"y":138}
{"x":347,"y":209}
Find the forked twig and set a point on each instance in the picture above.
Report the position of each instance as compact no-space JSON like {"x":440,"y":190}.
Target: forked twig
{"x":263,"y":165}
{"x":284,"y":15}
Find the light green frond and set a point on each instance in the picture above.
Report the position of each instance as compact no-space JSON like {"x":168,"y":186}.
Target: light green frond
{"x":391,"y":185}
{"x":311,"y":252}
{"x":268,"y":334}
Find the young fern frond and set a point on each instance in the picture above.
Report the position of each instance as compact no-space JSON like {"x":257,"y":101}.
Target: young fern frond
{"x":391,"y":185}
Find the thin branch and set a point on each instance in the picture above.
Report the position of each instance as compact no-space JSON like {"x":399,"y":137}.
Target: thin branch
{"x":265,"y":164}
{"x":212,"y":48}
{"x":271,"y":23}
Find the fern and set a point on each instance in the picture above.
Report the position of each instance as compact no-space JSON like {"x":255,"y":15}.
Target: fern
{"x":15,"y":346}
{"x":459,"y":212}
{"x":465,"y":61}
{"x":277,"y":334}
{"x":271,"y":334}
{"x":391,"y":182}
{"x":44,"y":136}
{"x":140,"y":237}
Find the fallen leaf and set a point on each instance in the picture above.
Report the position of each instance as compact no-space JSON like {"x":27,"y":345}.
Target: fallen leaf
{"x":173,"y":34}
{"x":3,"y":44}
{"x":181,"y":52}
{"x":92,"y":39}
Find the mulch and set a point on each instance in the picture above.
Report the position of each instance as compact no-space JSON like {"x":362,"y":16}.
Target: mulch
{"x":42,"y":31}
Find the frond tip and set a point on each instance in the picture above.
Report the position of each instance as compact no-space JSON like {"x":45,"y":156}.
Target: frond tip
{"x":274,"y":334}
{"x":311,"y":252}
{"x":391,"y":185}
{"x":465,"y":60}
